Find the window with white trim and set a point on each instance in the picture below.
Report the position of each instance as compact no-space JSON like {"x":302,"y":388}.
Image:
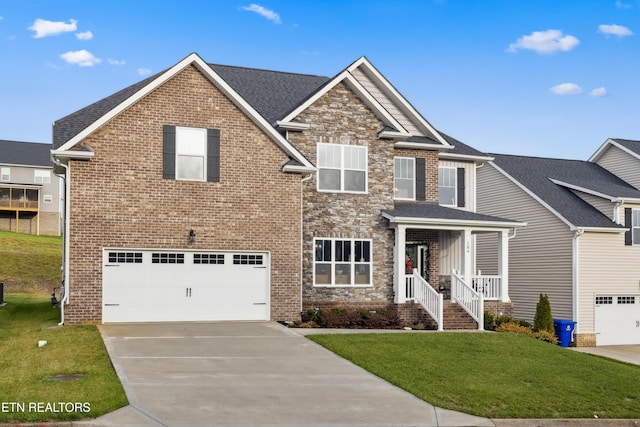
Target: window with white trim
{"x":447,"y":188}
{"x":342,"y":168}
{"x":191,"y":153}
{"x":404,"y":182}
{"x":635,"y":226}
{"x":5,"y":174}
{"x":41,"y":176}
{"x":342,"y":262}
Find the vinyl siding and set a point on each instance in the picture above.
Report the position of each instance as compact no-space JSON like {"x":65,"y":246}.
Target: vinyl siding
{"x":451,"y":252}
{"x":603,"y":205}
{"x":621,"y":164}
{"x":540,"y":256}
{"x":385,"y":99}
{"x":469,"y":181}
{"x":605,"y":267}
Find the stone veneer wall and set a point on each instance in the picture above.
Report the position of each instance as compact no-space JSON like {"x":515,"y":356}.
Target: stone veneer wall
{"x":340,"y":117}
{"x":119,"y":198}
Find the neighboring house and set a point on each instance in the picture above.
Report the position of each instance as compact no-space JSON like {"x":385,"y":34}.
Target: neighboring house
{"x":581,"y":245}
{"x":29,"y":190}
{"x":211,"y":192}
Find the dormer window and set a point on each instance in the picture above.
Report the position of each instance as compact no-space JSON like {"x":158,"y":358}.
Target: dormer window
{"x":342,"y":168}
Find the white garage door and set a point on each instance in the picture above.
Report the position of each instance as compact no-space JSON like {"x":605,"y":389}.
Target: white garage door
{"x":166,"y":286}
{"x":617,"y":319}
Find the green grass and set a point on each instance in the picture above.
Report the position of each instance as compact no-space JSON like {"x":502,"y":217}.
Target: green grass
{"x":496,"y":375}
{"x":26,"y":369}
{"x":29,"y":262}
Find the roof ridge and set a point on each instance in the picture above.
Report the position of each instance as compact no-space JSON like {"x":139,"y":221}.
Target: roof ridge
{"x":538,"y":157}
{"x":25,"y":142}
{"x":211,"y":64}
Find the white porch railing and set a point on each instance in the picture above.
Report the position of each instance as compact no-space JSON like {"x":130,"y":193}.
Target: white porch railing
{"x":489,"y":286}
{"x":468,"y":298}
{"x":421,"y":291}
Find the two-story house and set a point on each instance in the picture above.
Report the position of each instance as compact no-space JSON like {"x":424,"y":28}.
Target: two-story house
{"x":29,"y":190}
{"x":212,"y":192}
{"x":581,"y":245}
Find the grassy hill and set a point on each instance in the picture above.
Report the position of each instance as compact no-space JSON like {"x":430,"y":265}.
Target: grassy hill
{"x":30,"y":263}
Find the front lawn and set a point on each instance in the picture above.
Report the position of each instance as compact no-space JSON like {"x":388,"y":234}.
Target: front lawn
{"x":496,"y":375}
{"x":28,"y":391}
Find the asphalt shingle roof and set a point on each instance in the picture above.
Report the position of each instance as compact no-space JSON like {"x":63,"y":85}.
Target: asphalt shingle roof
{"x":462,"y":148}
{"x":272,"y":93}
{"x":432,"y":210}
{"x":24,"y":153}
{"x":535,"y":173}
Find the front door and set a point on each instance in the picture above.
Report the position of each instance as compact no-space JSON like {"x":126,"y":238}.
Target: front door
{"x":418,"y":258}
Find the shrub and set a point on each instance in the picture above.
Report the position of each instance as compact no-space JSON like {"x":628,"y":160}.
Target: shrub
{"x":489,"y":321}
{"x":543,"y":320}
{"x":546,"y":336}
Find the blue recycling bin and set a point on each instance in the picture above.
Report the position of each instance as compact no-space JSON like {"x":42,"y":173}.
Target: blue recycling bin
{"x":564,"y":330}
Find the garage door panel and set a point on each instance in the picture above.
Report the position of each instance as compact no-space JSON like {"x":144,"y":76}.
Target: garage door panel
{"x":169,"y":285}
{"x":617,"y":319}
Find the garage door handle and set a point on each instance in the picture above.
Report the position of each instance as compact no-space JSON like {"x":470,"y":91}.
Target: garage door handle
{"x":260,"y":267}
{"x":112,"y":305}
{"x":112,"y":265}
{"x":259,"y":303}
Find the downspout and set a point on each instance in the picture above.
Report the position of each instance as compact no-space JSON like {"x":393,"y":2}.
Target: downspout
{"x":65,"y":238}
{"x":302,"y":181}
{"x":576,"y":274}
{"x":616,"y":210}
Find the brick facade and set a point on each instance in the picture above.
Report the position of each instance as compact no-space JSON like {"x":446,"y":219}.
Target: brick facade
{"x":119,"y":198}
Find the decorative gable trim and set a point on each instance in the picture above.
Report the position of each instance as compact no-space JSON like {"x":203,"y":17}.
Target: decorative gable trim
{"x":613,"y":199}
{"x":419,"y":146}
{"x":605,"y":147}
{"x":195,"y":60}
{"x":355,"y":85}
{"x":294,"y":126}
{"x":364,"y":62}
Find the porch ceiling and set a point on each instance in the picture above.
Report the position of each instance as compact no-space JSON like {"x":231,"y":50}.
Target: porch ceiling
{"x":432,"y":215}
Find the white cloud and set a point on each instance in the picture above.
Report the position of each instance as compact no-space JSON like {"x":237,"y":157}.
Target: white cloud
{"x":115,"y":61}
{"x":44,"y":28}
{"x":260,"y":10}
{"x":545,"y":42}
{"x":566,"y":89}
{"x":621,"y":5}
{"x":87,"y":35}
{"x":82,"y":58}
{"x":613,"y":29}
{"x":144,"y":71}
{"x":601,"y":91}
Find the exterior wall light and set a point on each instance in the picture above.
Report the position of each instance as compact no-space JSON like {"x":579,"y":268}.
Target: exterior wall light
{"x":192,"y":236}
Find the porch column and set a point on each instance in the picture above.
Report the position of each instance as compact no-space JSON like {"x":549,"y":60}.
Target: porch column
{"x":398,"y":265}
{"x":466,"y":255}
{"x":503,"y":264}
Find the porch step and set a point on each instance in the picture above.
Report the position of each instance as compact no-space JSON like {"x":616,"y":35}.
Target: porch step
{"x":455,"y":317}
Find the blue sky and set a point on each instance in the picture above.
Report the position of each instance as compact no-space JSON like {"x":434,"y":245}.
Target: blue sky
{"x":543,"y":78}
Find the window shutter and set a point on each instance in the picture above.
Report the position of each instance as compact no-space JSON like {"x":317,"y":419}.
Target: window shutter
{"x":420,"y":179}
{"x":460,"y":185}
{"x":168,"y":152}
{"x":628,"y":236}
{"x":213,"y":155}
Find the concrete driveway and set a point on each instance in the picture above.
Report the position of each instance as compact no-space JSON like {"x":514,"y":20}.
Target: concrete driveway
{"x":251,"y":374}
{"x":625,"y":353}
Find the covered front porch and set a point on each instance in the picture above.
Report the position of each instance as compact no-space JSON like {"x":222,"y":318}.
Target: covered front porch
{"x":434,"y":259}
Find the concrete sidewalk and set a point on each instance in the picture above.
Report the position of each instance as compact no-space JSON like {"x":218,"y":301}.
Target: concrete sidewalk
{"x":251,"y":374}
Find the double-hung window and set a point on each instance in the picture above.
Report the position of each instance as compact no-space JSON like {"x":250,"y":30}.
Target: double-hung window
{"x":342,"y":168}
{"x":342,"y":262}
{"x":404,"y":182}
{"x":5,"y":174}
{"x":635,"y":226}
{"x":41,"y":176}
{"x":447,"y":186}
{"x":191,"y":154}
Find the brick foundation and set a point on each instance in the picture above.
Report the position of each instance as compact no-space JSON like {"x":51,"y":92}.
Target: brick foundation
{"x":585,"y":340}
